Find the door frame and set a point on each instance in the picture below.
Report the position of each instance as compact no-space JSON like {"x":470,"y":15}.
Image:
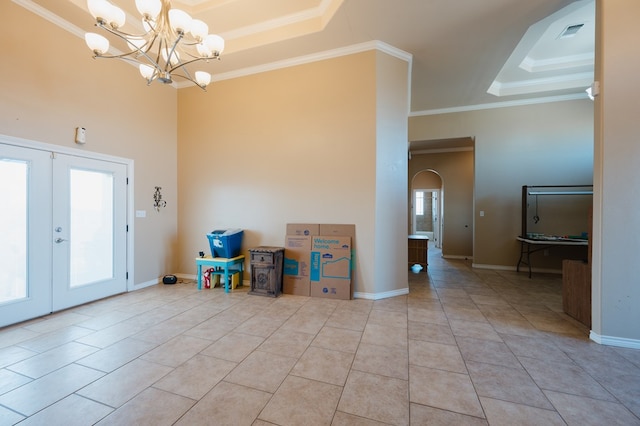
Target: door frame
{"x":129,"y":163}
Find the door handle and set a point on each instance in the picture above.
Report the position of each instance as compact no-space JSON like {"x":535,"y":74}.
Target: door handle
{"x":59,"y":240}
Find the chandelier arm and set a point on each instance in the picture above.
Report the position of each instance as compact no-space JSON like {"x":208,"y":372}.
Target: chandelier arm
{"x":182,"y":64}
{"x":122,"y":35}
{"x":191,"y":80}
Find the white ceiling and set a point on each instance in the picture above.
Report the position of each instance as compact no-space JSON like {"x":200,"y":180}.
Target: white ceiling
{"x":465,"y":53}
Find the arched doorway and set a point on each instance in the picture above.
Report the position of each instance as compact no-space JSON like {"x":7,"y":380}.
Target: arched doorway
{"x":427,"y":193}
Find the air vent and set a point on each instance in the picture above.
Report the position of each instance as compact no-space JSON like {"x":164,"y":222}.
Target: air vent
{"x":571,"y":30}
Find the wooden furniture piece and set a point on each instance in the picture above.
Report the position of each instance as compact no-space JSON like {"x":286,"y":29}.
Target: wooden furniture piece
{"x":576,"y":290}
{"x":221,"y":266}
{"x":418,"y":245}
{"x":266,"y":270}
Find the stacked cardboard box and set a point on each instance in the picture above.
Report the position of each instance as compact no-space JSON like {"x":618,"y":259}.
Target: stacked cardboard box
{"x":319,"y":260}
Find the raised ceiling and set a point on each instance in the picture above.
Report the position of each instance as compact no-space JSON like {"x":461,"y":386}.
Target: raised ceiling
{"x":465,"y":53}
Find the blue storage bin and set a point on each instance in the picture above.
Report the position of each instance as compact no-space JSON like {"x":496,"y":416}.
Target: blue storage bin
{"x":225,"y":242}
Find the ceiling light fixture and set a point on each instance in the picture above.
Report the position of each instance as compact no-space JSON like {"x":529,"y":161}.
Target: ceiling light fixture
{"x":171,"y":40}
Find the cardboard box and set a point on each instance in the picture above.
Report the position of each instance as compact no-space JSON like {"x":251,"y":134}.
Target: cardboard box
{"x":309,"y":229}
{"x":330,"y":273}
{"x":343,"y":230}
{"x":296,"y":268}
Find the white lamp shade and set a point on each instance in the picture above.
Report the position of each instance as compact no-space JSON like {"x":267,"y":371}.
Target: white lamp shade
{"x":203,"y":78}
{"x":99,"y":9}
{"x":175,"y":58}
{"x":203,"y":50}
{"x":150,"y":8}
{"x":136,"y":43}
{"x":97,"y":43}
{"x":215,"y":43}
{"x":146,"y":71}
{"x":117,"y":17}
{"x":199,"y":29}
{"x":180,"y":20}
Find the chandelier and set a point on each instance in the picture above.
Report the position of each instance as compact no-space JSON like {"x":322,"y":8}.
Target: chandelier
{"x":171,"y":40}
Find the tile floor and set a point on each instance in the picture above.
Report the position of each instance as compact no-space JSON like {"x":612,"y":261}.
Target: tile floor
{"x":465,"y":347}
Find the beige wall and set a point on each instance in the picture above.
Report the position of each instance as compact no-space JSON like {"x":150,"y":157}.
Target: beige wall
{"x":293,"y":145}
{"x":456,"y":172}
{"x":616,"y":293}
{"x":49,"y":85}
{"x":544,"y":144}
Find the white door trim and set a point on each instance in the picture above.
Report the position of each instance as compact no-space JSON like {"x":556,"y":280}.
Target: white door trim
{"x":129,"y":163}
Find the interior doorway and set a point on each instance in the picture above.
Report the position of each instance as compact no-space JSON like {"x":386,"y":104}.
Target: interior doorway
{"x":427,"y":206}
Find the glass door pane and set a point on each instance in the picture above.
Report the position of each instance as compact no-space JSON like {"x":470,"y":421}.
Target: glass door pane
{"x":13,"y":228}
{"x":25,"y":233}
{"x":91,"y":233}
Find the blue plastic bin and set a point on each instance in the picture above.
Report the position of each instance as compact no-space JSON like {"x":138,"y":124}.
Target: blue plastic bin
{"x":225,"y":242}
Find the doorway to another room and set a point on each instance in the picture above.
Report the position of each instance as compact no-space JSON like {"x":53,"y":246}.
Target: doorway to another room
{"x":427,"y":206}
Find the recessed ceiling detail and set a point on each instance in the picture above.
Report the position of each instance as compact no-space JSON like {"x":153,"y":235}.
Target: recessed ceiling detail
{"x":556,"y":53}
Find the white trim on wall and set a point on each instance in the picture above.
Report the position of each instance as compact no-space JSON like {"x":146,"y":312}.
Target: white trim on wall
{"x":615,"y":341}
{"x":383,"y":295}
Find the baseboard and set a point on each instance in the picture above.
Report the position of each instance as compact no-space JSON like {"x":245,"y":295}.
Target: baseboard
{"x":513,"y":268}
{"x":378,"y":296}
{"x":621,"y":342}
{"x":145,"y":284}
{"x":456,"y":257}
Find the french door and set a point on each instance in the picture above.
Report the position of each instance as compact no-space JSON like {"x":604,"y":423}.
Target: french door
{"x":64,"y":231}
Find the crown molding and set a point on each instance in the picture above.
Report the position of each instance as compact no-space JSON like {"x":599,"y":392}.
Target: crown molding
{"x":495,"y":105}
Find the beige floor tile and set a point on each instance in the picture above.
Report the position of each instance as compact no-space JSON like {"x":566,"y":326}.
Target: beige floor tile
{"x":152,"y":407}
{"x":15,"y":335}
{"x":348,"y":319}
{"x":13,"y":354}
{"x":487,"y":351}
{"x":445,"y":390}
{"x":105,"y":320}
{"x":431,"y":333}
{"x":289,"y":343}
{"x":57,"y":321}
{"x":118,"y":387}
{"x":466,"y":313}
{"x":382,"y":360}
{"x":38,"y":394}
{"x":382,"y":335}
{"x":503,"y":413}
{"x":176,"y":351}
{"x":429,"y":416}
{"x":309,"y":323}
{"x":324,"y":365}
{"x":436,"y":355}
{"x":259,"y":325}
{"x":344,"y":419}
{"x":337,"y":339}
{"x":390,"y":318}
{"x":478,"y":330}
{"x":507,"y":384}
{"x":432,"y":316}
{"x":116,"y":355}
{"x":262,"y":370}
{"x":10,"y":380}
{"x":9,"y":417}
{"x":362,"y":397}
{"x":398,"y":303}
{"x":47,"y":341}
{"x":564,"y":377}
{"x":234,"y":346}
{"x":211,"y":330}
{"x":535,"y":347}
{"x":302,"y":401}
{"x":196,"y":377}
{"x":53,"y":359}
{"x":73,"y":410}
{"x":226,"y":404}
{"x":110,"y":335}
{"x":579,"y":410}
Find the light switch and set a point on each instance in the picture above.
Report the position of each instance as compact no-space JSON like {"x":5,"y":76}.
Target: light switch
{"x":141,"y":213}
{"x":81,"y":135}
{"x":481,"y":213}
